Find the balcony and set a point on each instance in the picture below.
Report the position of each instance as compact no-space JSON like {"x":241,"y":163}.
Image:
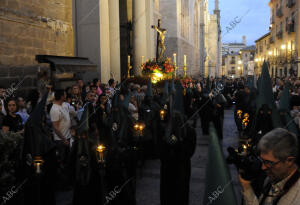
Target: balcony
{"x":279,"y":12}
{"x":232,"y":62}
{"x":290,"y":27}
{"x":290,"y":3}
{"x":279,"y":34}
{"x":271,"y":40}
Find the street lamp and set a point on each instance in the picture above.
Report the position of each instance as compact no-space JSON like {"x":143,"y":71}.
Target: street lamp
{"x":283,"y":46}
{"x":270,"y":53}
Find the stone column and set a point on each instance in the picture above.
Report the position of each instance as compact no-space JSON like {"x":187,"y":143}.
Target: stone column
{"x":139,"y":33}
{"x":151,"y":45}
{"x":104,"y":40}
{"x":202,"y":40}
{"x":114,"y":34}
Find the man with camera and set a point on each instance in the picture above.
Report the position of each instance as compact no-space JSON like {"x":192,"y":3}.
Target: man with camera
{"x":278,"y":152}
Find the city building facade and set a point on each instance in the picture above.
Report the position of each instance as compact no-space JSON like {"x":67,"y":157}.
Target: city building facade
{"x":247,"y":57}
{"x":284,"y":37}
{"x":263,"y":53}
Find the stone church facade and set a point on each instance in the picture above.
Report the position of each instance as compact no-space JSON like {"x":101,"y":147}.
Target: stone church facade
{"x":193,"y":31}
{"x":29,"y":28}
{"x":108,"y":37}
{"x":106,"y":32}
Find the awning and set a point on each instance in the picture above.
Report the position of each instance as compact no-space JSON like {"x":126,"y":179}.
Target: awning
{"x":67,"y":64}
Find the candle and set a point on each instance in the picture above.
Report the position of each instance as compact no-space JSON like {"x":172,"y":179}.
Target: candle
{"x":143,"y":59}
{"x":184,"y":60}
{"x":129,"y":59}
{"x":174,"y":58}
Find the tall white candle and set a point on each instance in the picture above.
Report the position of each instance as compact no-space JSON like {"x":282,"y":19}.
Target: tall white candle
{"x":128,"y":59}
{"x":143,"y":59}
{"x":184,"y":60}
{"x":174,"y":58}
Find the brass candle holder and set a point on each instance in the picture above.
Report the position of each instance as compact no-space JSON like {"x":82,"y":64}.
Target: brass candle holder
{"x":100,"y":149}
{"x":184,"y":69}
{"x":175,"y":69}
{"x":129,"y":68}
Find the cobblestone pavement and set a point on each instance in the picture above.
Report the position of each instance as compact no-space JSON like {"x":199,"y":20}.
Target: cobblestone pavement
{"x":148,"y":181}
{"x":149,"y":178}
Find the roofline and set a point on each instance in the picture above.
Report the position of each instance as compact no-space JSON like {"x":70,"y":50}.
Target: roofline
{"x":267,"y":34}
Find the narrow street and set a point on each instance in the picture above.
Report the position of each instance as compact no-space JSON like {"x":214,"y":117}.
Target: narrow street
{"x":148,"y":181}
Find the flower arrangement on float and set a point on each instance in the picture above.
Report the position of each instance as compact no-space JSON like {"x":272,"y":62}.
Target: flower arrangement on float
{"x":158,"y":71}
{"x":185,"y":81}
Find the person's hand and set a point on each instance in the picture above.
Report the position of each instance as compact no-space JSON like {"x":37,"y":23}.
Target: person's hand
{"x":66,"y":142}
{"x":102,"y":106}
{"x":245,"y":183}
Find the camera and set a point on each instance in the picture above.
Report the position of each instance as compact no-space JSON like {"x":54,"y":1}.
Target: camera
{"x":246,"y":160}
{"x":74,"y":103}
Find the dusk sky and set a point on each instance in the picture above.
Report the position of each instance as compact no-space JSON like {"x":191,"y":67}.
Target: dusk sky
{"x":253,"y":25}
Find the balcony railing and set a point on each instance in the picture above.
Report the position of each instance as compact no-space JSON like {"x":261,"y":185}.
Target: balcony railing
{"x":279,"y":12}
{"x":279,"y":34}
{"x":232,"y":62}
{"x":271,"y":40}
{"x":290,"y":3}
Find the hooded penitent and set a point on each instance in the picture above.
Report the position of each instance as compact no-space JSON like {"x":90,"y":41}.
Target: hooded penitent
{"x":284,"y":111}
{"x":36,"y":139}
{"x":267,"y":116}
{"x":218,"y":184}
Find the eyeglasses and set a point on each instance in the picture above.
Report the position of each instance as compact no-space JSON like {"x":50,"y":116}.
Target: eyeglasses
{"x":11,"y":105}
{"x":267,"y":163}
